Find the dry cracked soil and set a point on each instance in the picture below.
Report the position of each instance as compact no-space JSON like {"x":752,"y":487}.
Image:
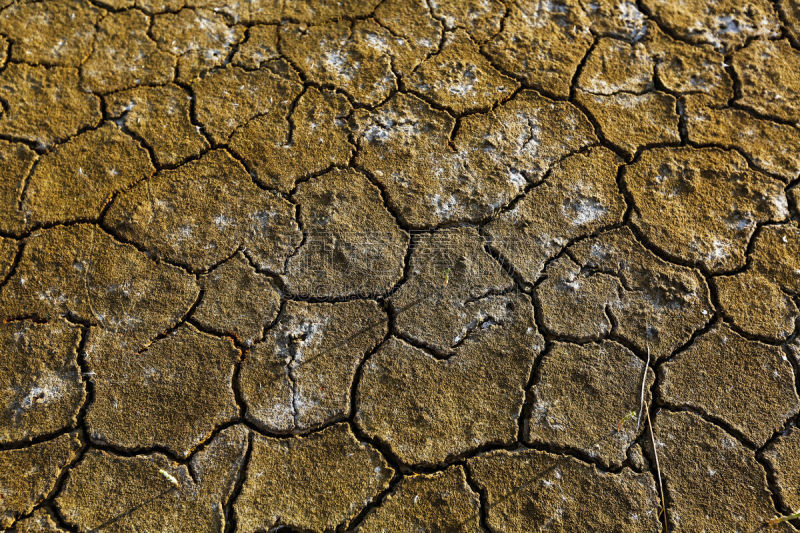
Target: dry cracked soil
{"x":399,"y":265}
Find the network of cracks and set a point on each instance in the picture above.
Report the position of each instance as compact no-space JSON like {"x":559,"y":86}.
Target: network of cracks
{"x":399,"y":265}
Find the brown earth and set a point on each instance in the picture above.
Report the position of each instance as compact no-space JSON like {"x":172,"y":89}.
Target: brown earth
{"x":399,"y":265}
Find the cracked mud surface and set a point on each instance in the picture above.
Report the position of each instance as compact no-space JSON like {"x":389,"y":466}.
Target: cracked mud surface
{"x":399,"y":265}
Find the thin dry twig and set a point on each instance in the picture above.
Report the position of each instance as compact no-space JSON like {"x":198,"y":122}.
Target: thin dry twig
{"x":176,"y":486}
{"x":658,"y":473}
{"x":133,"y":509}
{"x":641,"y":395}
{"x":646,"y":409}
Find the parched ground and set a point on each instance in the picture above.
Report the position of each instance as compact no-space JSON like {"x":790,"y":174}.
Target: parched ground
{"x":399,"y":265}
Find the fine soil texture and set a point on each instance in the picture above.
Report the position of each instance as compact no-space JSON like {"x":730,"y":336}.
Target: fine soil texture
{"x":399,"y":266}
